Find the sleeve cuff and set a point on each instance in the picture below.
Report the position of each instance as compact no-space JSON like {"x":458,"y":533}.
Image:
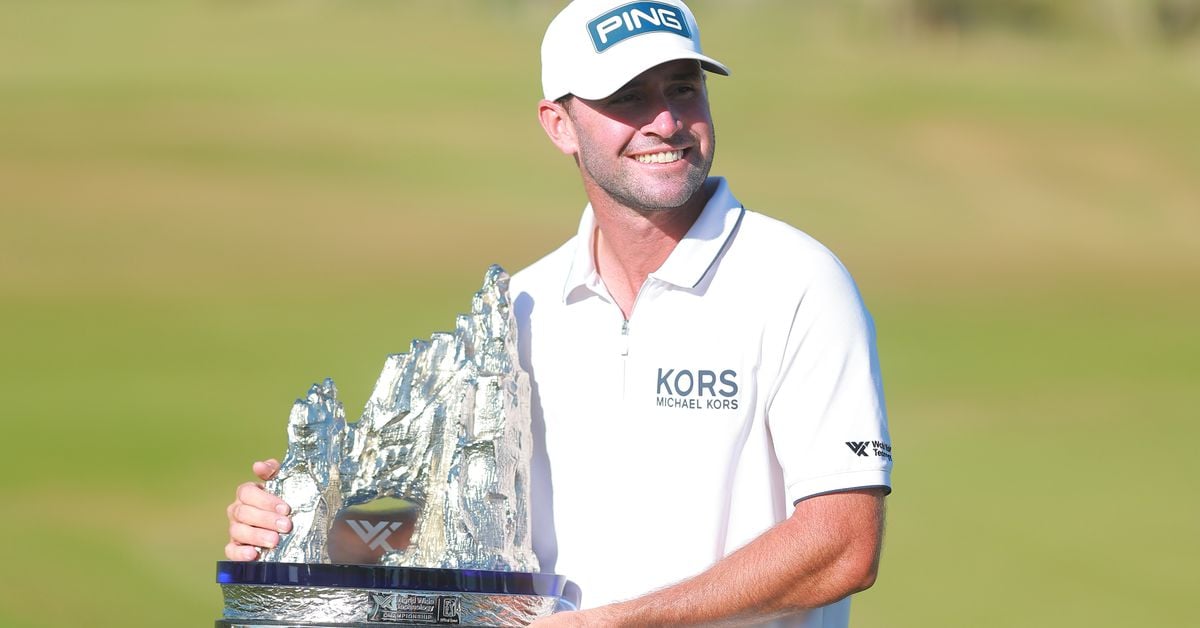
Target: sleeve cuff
{"x":838,"y":482}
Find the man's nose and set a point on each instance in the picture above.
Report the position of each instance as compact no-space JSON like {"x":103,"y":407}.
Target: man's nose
{"x":665,"y":123}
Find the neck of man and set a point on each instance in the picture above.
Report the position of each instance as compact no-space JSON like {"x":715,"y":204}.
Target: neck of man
{"x":630,"y":243}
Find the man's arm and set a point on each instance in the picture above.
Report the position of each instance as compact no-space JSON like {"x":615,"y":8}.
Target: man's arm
{"x":828,"y":549}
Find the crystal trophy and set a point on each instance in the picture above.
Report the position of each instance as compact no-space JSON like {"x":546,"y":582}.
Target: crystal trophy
{"x":444,"y":445}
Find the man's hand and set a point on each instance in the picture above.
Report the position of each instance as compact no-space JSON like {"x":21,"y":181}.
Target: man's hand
{"x":256,"y":517}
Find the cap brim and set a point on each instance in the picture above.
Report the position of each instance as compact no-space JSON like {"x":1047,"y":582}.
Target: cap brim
{"x":603,"y":87}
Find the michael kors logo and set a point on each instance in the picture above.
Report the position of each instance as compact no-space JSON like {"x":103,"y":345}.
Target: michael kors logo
{"x":375,"y":534}
{"x":697,"y":389}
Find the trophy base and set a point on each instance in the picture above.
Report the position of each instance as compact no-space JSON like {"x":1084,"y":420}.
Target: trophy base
{"x":323,"y":595}
{"x":240,"y":623}
{"x":221,"y":623}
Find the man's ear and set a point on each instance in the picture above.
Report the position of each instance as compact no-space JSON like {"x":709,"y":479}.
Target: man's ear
{"x":556,"y":122}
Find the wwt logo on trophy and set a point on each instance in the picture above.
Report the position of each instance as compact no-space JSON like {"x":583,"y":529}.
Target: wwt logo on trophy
{"x":444,"y":443}
{"x":375,"y":534}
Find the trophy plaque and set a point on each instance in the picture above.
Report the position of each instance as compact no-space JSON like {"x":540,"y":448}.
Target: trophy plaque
{"x":418,"y":513}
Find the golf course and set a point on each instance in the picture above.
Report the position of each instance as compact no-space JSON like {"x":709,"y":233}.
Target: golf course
{"x":208,"y":205}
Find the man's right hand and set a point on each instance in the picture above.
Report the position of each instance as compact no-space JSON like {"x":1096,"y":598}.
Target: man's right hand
{"x":256,"y":517}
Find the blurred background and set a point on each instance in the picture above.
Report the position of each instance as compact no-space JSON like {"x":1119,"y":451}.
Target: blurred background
{"x":207,"y":205}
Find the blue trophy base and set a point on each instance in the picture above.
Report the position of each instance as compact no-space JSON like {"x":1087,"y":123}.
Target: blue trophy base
{"x":313,"y":595}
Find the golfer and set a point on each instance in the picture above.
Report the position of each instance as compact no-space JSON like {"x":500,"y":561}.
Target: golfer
{"x":711,"y":443}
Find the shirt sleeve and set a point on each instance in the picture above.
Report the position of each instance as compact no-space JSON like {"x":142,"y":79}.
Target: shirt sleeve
{"x":826,"y":412}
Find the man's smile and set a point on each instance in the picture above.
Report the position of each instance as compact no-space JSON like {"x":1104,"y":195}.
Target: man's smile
{"x":660,"y":157}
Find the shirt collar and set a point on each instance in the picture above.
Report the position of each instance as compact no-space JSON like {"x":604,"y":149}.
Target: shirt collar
{"x":689,"y":261}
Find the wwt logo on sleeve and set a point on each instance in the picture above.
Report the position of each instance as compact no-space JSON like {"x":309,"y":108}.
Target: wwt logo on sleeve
{"x":865,"y":448}
{"x":636,"y":18}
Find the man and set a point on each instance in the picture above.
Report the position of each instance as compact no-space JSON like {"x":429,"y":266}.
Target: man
{"x":710,"y":439}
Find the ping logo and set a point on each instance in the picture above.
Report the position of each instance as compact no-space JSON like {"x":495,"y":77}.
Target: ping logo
{"x":636,"y":18}
{"x":375,"y":535}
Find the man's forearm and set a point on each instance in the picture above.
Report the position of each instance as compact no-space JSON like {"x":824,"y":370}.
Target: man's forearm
{"x":827,"y":549}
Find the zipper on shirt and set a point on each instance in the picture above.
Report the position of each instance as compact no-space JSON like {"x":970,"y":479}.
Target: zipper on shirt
{"x":624,"y":342}
{"x":624,"y":339}
{"x":625,"y":321}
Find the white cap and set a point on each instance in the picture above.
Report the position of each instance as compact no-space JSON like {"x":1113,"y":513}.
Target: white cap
{"x":593,"y":47}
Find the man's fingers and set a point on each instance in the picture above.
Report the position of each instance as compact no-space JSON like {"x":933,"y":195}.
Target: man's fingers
{"x":256,"y":518}
{"x":237,"y":551}
{"x":266,"y":469}
{"x":254,"y":495}
{"x":249,"y":535}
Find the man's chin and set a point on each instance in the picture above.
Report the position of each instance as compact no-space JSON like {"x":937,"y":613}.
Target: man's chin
{"x":657,"y":203}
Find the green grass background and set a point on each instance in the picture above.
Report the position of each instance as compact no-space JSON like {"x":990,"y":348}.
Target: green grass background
{"x":207,"y":205}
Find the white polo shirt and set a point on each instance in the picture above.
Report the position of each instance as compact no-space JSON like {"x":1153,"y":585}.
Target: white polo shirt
{"x":745,"y":380}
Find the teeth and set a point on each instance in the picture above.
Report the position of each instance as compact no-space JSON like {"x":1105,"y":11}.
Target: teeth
{"x":660,"y":158}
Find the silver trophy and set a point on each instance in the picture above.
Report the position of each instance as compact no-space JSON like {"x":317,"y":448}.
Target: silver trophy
{"x":444,"y":443}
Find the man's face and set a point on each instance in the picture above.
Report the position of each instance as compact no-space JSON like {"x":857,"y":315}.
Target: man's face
{"x":649,"y":146}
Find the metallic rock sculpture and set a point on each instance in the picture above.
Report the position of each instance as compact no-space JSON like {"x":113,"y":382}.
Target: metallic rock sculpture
{"x":308,"y":479}
{"x":447,"y":427}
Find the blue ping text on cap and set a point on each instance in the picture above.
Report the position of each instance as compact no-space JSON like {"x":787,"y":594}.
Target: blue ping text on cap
{"x":636,"y":18}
